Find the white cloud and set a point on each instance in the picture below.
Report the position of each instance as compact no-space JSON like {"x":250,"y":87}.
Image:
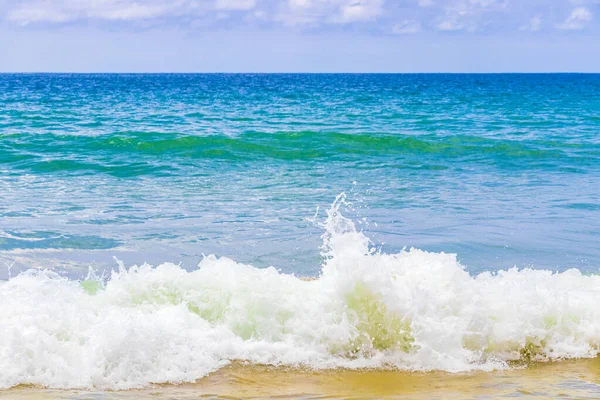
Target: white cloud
{"x":235,"y":4}
{"x":28,"y":12}
{"x":534,"y":24}
{"x":470,"y":15}
{"x":359,"y":10}
{"x":133,"y":11}
{"x":313,"y":12}
{"x":456,"y":16}
{"x":484,"y":3}
{"x":259,"y":14}
{"x":411,"y":15}
{"x":299,"y":12}
{"x":450,"y":24}
{"x":26,"y":15}
{"x":577,"y":20}
{"x":584,"y":2}
{"x":406,"y":27}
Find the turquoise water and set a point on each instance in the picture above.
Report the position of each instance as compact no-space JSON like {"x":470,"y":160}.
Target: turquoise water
{"x":502,"y":170}
{"x":211,"y":179}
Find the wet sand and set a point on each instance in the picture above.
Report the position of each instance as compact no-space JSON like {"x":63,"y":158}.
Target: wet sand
{"x":577,"y":379}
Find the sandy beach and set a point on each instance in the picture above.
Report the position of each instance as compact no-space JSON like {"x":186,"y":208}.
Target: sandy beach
{"x":566,"y":379}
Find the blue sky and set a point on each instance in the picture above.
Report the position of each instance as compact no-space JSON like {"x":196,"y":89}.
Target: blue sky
{"x":299,"y":35}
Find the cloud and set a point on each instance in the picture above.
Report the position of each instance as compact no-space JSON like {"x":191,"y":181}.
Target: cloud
{"x":450,"y":24}
{"x":315,"y":12}
{"x":406,"y":27}
{"x":25,"y":15}
{"x":584,"y":2}
{"x":577,"y":20}
{"x":235,"y":4}
{"x":456,"y":16}
{"x":534,"y":24}
{"x":485,"y":3}
{"x":28,"y":12}
{"x":376,"y":16}
{"x":360,"y":10}
{"x":470,"y":15}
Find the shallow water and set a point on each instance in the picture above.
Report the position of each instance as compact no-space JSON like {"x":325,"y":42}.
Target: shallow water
{"x":499,"y":169}
{"x":567,"y":379}
{"x":411,"y":311}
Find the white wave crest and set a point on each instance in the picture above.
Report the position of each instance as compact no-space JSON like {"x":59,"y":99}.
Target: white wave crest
{"x":412,"y":310}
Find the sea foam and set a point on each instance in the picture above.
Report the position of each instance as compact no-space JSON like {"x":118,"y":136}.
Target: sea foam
{"x":413,"y":310}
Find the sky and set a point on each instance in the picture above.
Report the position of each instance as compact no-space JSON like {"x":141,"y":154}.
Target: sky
{"x":299,"y":35}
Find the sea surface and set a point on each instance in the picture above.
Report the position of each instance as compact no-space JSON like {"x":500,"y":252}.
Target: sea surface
{"x":156,"y":228}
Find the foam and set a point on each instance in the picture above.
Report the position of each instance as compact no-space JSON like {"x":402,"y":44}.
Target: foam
{"x":412,"y":310}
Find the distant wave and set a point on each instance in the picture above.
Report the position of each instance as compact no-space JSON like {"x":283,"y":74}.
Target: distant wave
{"x":157,"y":153}
{"x":412,"y":310}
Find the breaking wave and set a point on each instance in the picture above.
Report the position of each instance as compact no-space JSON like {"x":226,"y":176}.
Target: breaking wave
{"x":412,"y":310}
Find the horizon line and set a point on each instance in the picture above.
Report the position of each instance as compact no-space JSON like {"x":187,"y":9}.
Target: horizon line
{"x":293,"y":73}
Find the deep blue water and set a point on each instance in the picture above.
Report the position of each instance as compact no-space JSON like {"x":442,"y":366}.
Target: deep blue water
{"x":502,"y":169}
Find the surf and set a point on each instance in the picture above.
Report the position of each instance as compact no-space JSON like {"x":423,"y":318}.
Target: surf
{"x":412,"y":310}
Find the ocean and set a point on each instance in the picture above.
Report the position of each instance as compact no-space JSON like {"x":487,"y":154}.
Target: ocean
{"x":171,"y":229}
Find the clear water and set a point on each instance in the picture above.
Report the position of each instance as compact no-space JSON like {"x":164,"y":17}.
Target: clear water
{"x":502,"y":170}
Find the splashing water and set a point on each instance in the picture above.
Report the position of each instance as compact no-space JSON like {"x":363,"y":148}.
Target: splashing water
{"x":412,"y":310}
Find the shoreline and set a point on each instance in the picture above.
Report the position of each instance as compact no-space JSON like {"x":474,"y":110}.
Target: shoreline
{"x":569,"y":379}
